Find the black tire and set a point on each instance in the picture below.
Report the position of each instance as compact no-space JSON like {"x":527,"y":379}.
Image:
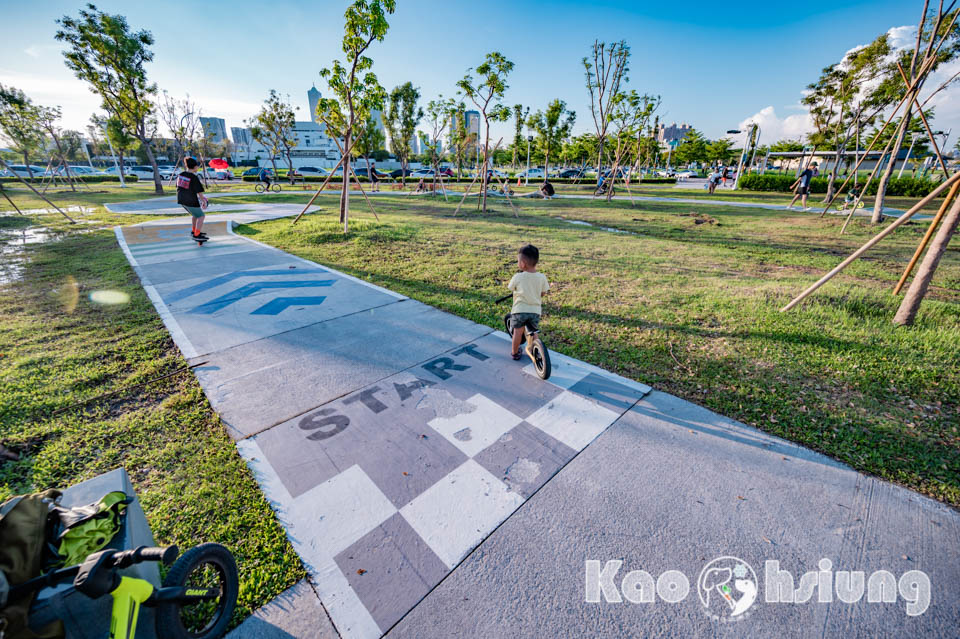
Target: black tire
{"x":506,"y":323}
{"x":206,"y":565}
{"x":275,"y":188}
{"x":259,"y":188}
{"x":541,"y":359}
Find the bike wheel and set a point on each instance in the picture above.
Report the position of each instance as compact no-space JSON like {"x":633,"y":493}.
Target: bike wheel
{"x":205,"y":566}
{"x":275,"y":188}
{"x":258,"y":188}
{"x":541,"y":359}
{"x":861,"y":204}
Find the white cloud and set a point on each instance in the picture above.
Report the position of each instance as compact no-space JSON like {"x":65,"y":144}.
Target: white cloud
{"x":773,"y":127}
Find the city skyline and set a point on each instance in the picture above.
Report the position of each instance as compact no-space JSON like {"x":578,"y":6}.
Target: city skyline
{"x":784,"y":52}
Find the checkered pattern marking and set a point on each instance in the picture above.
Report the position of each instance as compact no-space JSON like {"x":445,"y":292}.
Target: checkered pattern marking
{"x":385,"y":491}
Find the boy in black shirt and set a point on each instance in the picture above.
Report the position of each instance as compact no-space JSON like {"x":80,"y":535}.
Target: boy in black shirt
{"x":802,"y":186}
{"x":190,"y":196}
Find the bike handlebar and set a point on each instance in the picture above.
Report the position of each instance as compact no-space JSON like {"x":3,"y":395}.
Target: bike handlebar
{"x":127,"y":558}
{"x":504,"y":298}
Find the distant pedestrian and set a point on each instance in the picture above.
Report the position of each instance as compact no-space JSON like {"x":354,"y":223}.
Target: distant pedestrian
{"x":546,"y":189}
{"x":726,"y":175}
{"x":713,"y":180}
{"x":374,"y":178}
{"x":190,"y":196}
{"x":802,"y":186}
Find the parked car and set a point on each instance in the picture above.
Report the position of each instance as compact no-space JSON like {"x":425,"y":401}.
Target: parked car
{"x":445,"y":172}
{"x":312,"y":170}
{"x":686,"y":174}
{"x":570,"y":173}
{"x":531,"y":173}
{"x":399,"y":172}
{"x":218,"y":174}
{"x":21,"y":170}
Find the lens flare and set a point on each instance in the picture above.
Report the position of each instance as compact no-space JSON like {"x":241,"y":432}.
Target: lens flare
{"x":68,"y":294}
{"x":109,"y":298}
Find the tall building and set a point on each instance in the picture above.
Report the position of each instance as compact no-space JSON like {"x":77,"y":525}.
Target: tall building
{"x":215,"y":129}
{"x":313,"y":148}
{"x":673,"y":133}
{"x":414,"y":145}
{"x":473,"y":122}
{"x":313,"y":97}
{"x":378,"y":118}
{"x":242,"y":143}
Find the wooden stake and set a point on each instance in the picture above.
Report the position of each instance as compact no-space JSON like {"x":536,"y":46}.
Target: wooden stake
{"x":918,"y":287}
{"x":4,"y":191}
{"x":40,"y":195}
{"x":926,"y":238}
{"x":360,"y":186}
{"x":882,"y":234}
{"x":866,"y":184}
{"x":465,"y":194}
{"x":322,"y":186}
{"x":933,"y":141}
{"x":923,"y":68}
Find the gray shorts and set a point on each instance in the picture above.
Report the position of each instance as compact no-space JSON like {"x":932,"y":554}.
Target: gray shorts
{"x":521,"y":319}
{"x":195,"y":211}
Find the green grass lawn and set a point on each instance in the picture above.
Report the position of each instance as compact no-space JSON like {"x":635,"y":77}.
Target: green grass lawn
{"x":689,"y":308}
{"x":59,"y":349}
{"x":692,"y":309}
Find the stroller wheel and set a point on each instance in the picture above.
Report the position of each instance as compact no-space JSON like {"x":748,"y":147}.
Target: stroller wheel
{"x":506,"y":323}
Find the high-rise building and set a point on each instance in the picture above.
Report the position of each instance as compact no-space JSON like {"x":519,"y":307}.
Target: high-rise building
{"x":215,"y":129}
{"x":414,"y":146}
{"x":242,"y":142}
{"x":473,"y":122}
{"x":673,"y":133}
{"x":313,"y":97}
{"x":378,"y":118}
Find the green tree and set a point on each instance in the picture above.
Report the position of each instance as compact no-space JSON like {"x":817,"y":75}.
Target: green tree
{"x":486,"y":91}
{"x":48,"y":120}
{"x":604,"y":74}
{"x":369,"y":140}
{"x":121,"y":139}
{"x":105,"y":53}
{"x":720,"y":150}
{"x":520,"y":115}
{"x":401,"y":118}
{"x":438,"y":116}
{"x":553,"y":126}
{"x":273,"y":127}
{"x":353,"y":83}
{"x":460,"y":137}
{"x":20,"y":123}
{"x":72,"y":142}
{"x":692,"y":148}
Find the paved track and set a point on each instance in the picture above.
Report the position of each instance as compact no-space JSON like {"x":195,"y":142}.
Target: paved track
{"x":434,"y":487}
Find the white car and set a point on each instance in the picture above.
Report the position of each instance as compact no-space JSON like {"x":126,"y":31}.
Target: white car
{"x":21,"y":170}
{"x":132,"y":170}
{"x":218,"y":174}
{"x":79,"y":170}
{"x":533,"y":173}
{"x":686,"y":174}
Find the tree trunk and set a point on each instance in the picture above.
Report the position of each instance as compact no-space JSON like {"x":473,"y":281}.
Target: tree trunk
{"x":918,"y":287}
{"x":546,"y":162}
{"x":345,"y":186}
{"x":888,"y":171}
{"x":26,"y":163}
{"x":148,"y":149}
{"x":599,"y":159}
{"x":403,"y":173}
{"x":120,"y":168}
{"x":66,"y":167}
{"x":486,"y":150}
{"x":833,"y":174}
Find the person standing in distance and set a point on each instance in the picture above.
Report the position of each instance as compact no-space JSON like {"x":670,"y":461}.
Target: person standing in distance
{"x":190,"y":196}
{"x":802,"y":185}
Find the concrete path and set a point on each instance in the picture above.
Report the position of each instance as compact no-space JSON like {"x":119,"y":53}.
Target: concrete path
{"x":434,"y":487}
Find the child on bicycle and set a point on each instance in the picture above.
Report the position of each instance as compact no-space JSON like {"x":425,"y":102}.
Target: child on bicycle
{"x":852,"y":196}
{"x":528,"y":286}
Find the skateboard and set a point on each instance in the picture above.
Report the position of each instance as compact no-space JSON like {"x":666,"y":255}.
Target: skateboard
{"x":200,"y":240}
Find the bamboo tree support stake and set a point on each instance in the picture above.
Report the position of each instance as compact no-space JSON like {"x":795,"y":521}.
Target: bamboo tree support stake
{"x":882,"y":234}
{"x":322,"y":187}
{"x":926,"y":125}
{"x":466,"y":193}
{"x":443,"y":187}
{"x":923,"y":69}
{"x":918,"y":287}
{"x":364,"y":193}
{"x":863,"y":191}
{"x":40,"y":195}
{"x":4,"y":191}
{"x":926,"y":238}
{"x":506,"y":195}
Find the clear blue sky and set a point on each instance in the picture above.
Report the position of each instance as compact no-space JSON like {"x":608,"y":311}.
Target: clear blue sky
{"x":714,"y":63}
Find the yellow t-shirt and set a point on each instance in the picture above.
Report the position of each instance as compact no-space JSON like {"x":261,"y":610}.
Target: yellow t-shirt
{"x":527,"y":289}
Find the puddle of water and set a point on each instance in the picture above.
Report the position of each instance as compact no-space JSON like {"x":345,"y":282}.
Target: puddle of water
{"x":12,"y":242}
{"x":66,"y":209}
{"x":602,"y":228}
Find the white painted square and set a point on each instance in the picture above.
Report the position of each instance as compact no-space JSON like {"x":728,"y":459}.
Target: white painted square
{"x":472,"y":432}
{"x":572,"y":419}
{"x":456,"y":513}
{"x":563,"y":372}
{"x":339,"y":511}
